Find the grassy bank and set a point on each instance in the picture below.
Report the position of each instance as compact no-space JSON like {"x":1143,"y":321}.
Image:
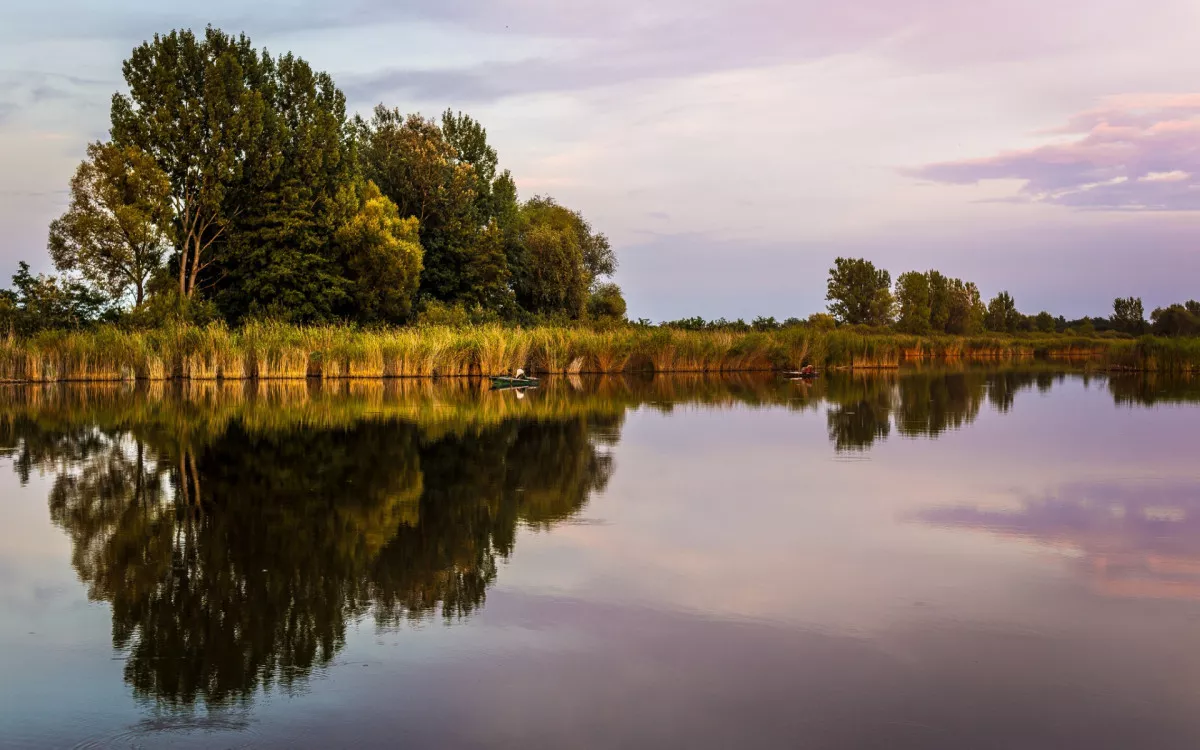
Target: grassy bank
{"x":270,"y":352}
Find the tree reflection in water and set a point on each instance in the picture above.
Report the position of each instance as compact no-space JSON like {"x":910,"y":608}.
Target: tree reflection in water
{"x":235,"y":562}
{"x":236,"y":530}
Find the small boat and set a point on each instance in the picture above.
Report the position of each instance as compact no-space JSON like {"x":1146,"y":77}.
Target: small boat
{"x":517,"y":380}
{"x":806,"y":374}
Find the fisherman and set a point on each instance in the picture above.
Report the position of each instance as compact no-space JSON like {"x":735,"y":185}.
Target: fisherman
{"x":520,"y":375}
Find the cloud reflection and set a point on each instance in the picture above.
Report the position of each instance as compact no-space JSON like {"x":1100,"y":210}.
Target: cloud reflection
{"x":1128,"y":539}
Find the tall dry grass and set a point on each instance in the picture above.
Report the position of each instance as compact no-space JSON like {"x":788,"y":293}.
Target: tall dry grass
{"x":272,"y":351}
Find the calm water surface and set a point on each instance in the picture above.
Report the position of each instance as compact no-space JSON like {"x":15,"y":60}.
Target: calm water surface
{"x":975,"y":559}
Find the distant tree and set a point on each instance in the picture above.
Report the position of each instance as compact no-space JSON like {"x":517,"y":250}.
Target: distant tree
{"x":1002,"y":314}
{"x":43,"y":302}
{"x":606,"y":302}
{"x":192,"y":106}
{"x":939,"y":301}
{"x":764,"y":323}
{"x":912,"y":297}
{"x":1175,"y":320}
{"x":1044,"y":322}
{"x":858,"y":293}
{"x":117,"y":227}
{"x":1085,"y":327}
{"x":966,"y":310}
{"x":1128,"y":315}
{"x":822,"y":321}
{"x":1193,"y":307}
{"x":383,"y":258}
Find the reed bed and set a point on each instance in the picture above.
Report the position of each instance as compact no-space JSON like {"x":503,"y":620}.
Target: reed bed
{"x":271,"y":351}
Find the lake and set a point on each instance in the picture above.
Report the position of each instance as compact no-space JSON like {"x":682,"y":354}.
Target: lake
{"x":970,"y":558}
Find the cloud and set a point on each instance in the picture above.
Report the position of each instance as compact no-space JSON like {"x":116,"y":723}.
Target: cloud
{"x":612,"y":42}
{"x":30,"y":93}
{"x":1136,"y":152}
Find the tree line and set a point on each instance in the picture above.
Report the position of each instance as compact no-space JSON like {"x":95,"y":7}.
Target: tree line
{"x":930,"y":302}
{"x":234,"y":185}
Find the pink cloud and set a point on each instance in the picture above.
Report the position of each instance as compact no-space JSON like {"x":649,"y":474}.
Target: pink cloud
{"x":1134,"y":152}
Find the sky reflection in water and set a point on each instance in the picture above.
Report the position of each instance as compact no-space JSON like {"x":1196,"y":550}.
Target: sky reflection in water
{"x":1013,"y":561}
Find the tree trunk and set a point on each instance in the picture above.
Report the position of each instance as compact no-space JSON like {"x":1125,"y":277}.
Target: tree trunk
{"x":191,"y":287}
{"x":183,"y":254}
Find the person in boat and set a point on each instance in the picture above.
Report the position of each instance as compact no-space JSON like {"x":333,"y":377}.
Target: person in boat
{"x":808,"y":370}
{"x":519,"y":375}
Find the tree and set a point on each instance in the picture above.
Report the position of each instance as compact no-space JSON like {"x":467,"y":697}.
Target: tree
{"x":383,"y":257}
{"x":42,"y":302}
{"x":1128,"y":315}
{"x":1193,"y":307}
{"x":297,"y":188}
{"x":415,"y":166}
{"x":549,"y":273}
{"x":1002,"y":314}
{"x":1044,"y":322}
{"x":192,"y":106}
{"x":822,"y":321}
{"x":1175,"y":320}
{"x":606,"y":302}
{"x":912,"y":296}
{"x":858,"y":293}
{"x":555,"y":257}
{"x":279,"y":265}
{"x":939,"y":301}
{"x":966,"y":311}
{"x":469,"y":140}
{"x":117,"y":226}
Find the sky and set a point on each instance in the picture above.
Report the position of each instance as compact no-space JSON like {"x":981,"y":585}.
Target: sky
{"x":731,"y":149}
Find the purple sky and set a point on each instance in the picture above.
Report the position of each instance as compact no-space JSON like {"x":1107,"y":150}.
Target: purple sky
{"x":731,"y":149}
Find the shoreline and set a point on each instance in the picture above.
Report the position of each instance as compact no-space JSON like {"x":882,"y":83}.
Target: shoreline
{"x":270,"y":351}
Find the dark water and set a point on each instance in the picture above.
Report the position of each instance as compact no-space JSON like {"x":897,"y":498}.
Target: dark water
{"x":977,"y":559}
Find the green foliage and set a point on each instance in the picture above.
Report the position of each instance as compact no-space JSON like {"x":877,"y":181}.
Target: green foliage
{"x":417,"y":168}
{"x":382,"y":254}
{"x":1175,"y":320}
{"x":606,"y":302}
{"x":940,"y":299}
{"x":822,"y":321}
{"x":966,"y":311}
{"x":547,"y":253}
{"x":858,"y":293}
{"x":280,"y":258}
{"x":246,"y":164}
{"x":39,"y":303}
{"x":194,"y":108}
{"x":1002,"y":314}
{"x":1129,"y":315}
{"x":913,"y":298}
{"x":280,"y":264}
{"x":1044,"y":322}
{"x":117,"y":227}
